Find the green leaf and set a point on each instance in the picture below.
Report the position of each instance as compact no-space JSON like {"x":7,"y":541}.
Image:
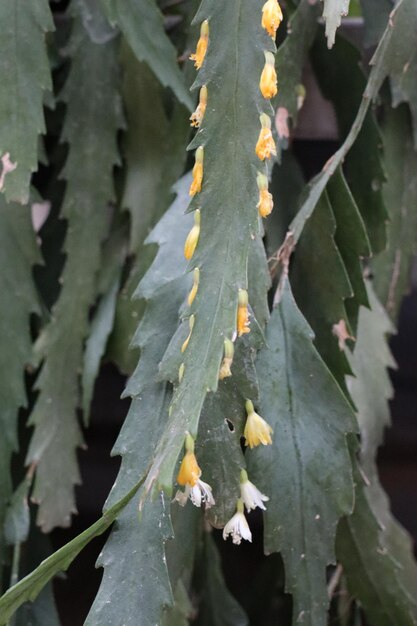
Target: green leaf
{"x":372,"y":572}
{"x":371,"y":540}
{"x":392,"y":268}
{"x":398,"y":50}
{"x":29,"y":587}
{"x":217,"y":606}
{"x":141,"y":23}
{"x":306,"y":472}
{"x":18,"y":253}
{"x":351,"y":240}
{"x":17,"y":522}
{"x":219,"y":434}
{"x":371,"y":387}
{"x":96,"y":343}
{"x":333,"y":11}
{"x":397,"y":41}
{"x":290,"y":61}
{"x":320,"y":294}
{"x":134,"y":556}
{"x":24,"y":78}
{"x":342,"y":81}
{"x":164,"y":287}
{"x":144,"y":147}
{"x":375,"y":15}
{"x":91,"y":123}
{"x":228,"y":210}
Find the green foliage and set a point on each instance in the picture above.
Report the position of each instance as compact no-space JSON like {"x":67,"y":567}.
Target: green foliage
{"x":115,"y":286}
{"x":141,"y":23}
{"x":90,"y":128}
{"x":308,"y":494}
{"x":24,"y":78}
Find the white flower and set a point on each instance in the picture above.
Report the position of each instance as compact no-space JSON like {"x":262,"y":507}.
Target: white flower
{"x":237,"y":526}
{"x":250,"y":494}
{"x":201,"y":492}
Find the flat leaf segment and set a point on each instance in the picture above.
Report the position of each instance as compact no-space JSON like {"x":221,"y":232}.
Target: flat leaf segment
{"x":93,"y":117}
{"x":24,"y":77}
{"x":307,"y":471}
{"x":231,"y":72}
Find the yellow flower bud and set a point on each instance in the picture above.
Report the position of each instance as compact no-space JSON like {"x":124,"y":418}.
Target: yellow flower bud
{"x":265,"y":145}
{"x":242,"y":313}
{"x":192,"y":237}
{"x":197,"y":171}
{"x":268,"y":82}
{"x":229,"y":351}
{"x":181,"y":371}
{"x":191,"y":325}
{"x":271,"y":17}
{"x":200,"y":53}
{"x":189,"y":471}
{"x":257,"y":430}
{"x":197,"y":116}
{"x":266,"y":203}
{"x":194,"y":289}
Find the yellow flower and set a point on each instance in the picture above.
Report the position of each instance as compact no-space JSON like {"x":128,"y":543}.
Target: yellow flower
{"x":257,"y":430}
{"x":268,"y":82}
{"x":197,"y":172}
{"x":266,"y":203}
{"x":229,"y":350}
{"x":192,"y":237}
{"x":265,"y":145}
{"x":242,"y":313}
{"x":191,"y":325}
{"x":197,"y":116}
{"x":189,"y":477}
{"x":189,"y":472}
{"x":194,"y":288}
{"x":271,"y":17}
{"x":200,"y":53}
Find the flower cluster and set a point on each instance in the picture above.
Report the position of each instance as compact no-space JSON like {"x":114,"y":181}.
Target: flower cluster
{"x":256,"y":431}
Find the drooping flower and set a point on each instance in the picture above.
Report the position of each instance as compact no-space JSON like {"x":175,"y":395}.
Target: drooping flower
{"x":268,"y":83}
{"x":194,"y":288}
{"x":189,"y":476}
{"x":192,"y":237}
{"x":257,"y":430}
{"x":189,"y":471}
{"x":242,"y":313}
{"x":229,"y":351}
{"x":266,"y":202}
{"x":250,"y":494}
{"x":202,"y":44}
{"x":271,"y":17}
{"x":265,"y":145}
{"x":197,"y":117}
{"x":200,"y":493}
{"x":191,"y":326}
{"x":237,"y":526}
{"x":197,"y":172}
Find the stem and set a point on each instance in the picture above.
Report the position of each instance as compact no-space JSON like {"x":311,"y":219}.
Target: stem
{"x":14,"y":576}
{"x":334,"y":581}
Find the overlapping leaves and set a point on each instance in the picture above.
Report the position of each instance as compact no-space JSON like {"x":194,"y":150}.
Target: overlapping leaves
{"x":306,"y":472}
{"x":24,"y":78}
{"x":92,"y":119}
{"x":228,"y":209}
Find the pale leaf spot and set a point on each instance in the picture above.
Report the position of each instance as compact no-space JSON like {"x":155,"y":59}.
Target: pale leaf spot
{"x":340,"y":331}
{"x":281,"y":123}
{"x":40,"y":211}
{"x":8,"y":166}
